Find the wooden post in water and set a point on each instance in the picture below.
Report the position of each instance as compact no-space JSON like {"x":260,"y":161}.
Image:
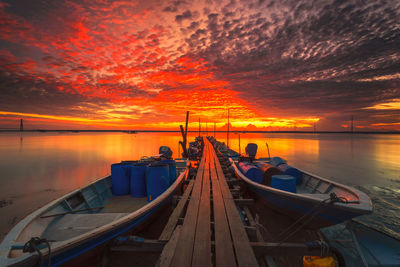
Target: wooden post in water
{"x":206,"y":128}
{"x":184,"y":136}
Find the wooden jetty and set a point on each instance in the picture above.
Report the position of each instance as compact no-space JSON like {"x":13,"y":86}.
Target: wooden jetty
{"x":194,"y":244}
{"x":207,"y":226}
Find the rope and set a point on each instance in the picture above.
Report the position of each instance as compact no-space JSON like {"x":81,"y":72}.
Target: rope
{"x":324,"y":247}
{"x":304,"y":220}
{"x":33,"y":245}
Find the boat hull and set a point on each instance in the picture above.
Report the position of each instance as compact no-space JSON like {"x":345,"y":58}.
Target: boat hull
{"x":295,"y":208}
{"x":320,"y":212}
{"x":85,"y":248}
{"x":75,"y":252}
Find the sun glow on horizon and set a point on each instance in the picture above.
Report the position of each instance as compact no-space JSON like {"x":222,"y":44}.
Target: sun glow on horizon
{"x":205,"y":122}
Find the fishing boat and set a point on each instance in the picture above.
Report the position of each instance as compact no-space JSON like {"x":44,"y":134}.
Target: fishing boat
{"x":313,"y":201}
{"x":363,"y":245}
{"x":84,"y":220}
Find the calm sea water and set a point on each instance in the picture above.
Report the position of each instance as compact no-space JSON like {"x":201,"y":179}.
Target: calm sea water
{"x":36,"y":168}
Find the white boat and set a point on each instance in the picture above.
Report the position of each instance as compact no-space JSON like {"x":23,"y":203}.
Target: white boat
{"x":314,"y":201}
{"x":81,"y":222}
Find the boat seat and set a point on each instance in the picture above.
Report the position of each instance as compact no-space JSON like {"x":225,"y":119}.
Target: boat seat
{"x":72,"y":225}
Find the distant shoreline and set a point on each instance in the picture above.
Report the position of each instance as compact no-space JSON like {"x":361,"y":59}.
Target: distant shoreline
{"x":211,"y":132}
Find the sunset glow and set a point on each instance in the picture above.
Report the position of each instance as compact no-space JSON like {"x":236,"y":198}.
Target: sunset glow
{"x":132,"y":65}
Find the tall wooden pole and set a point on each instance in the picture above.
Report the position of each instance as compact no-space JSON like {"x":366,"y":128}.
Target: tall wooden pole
{"x":214,"y":129}
{"x":227,"y":132}
{"x":186,"y":128}
{"x":199,"y":126}
{"x":187,"y":122}
{"x":240,"y":152}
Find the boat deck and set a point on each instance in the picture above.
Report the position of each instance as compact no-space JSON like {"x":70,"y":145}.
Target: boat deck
{"x":124,"y":204}
{"x":72,"y":225}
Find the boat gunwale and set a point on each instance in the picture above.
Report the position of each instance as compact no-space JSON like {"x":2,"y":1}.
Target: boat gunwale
{"x":364,"y":205}
{"x":9,"y":240}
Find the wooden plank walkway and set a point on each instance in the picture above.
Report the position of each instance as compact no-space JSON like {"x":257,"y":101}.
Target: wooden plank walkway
{"x":194,"y":244}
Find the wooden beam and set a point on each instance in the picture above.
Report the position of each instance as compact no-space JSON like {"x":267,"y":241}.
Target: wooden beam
{"x":202,"y":243}
{"x":224,"y":250}
{"x":184,"y":249}
{"x":244,"y":201}
{"x":240,"y":201}
{"x":244,"y":253}
{"x":146,"y":245}
{"x":292,"y":249}
{"x":174,"y":217}
{"x":168,"y":251}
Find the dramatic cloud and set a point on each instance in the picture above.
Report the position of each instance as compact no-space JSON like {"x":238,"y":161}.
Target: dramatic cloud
{"x":143,"y":64}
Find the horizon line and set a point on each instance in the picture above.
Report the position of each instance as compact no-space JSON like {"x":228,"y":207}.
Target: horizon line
{"x":195,"y":131}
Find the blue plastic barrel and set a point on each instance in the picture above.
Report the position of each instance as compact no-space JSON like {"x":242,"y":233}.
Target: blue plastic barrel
{"x":284,"y":182}
{"x":138,"y":179}
{"x":289,"y":170}
{"x":120,"y":179}
{"x":172,"y":169}
{"x":251,"y":171}
{"x":268,"y":171}
{"x":276,"y":161}
{"x":157,"y":180}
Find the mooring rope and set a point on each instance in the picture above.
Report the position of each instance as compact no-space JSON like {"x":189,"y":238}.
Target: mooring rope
{"x":312,"y":213}
{"x":33,"y":245}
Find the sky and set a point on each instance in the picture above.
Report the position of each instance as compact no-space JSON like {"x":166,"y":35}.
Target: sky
{"x":276,"y":65}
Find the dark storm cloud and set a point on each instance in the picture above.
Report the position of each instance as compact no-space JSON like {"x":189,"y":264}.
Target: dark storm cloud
{"x":174,"y":6}
{"x":185,"y":15}
{"x":317,"y":58}
{"x":306,"y":54}
{"x":31,"y":95}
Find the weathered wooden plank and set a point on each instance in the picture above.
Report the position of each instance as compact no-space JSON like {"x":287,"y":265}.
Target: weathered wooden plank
{"x":173,"y":219}
{"x":244,"y":253}
{"x":184,"y":248}
{"x":224,"y":253}
{"x":238,"y":201}
{"x":202,"y":244}
{"x":169,"y":248}
{"x":292,"y":249}
{"x":147,"y":245}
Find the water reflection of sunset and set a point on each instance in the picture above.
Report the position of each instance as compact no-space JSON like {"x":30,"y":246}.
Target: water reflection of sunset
{"x":278,"y":145}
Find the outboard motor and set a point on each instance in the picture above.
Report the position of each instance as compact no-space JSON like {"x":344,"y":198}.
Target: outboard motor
{"x":165,"y":151}
{"x":251,"y":150}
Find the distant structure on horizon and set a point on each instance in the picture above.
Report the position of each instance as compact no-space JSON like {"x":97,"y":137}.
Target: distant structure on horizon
{"x":21,"y":125}
{"x":352,"y":123}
